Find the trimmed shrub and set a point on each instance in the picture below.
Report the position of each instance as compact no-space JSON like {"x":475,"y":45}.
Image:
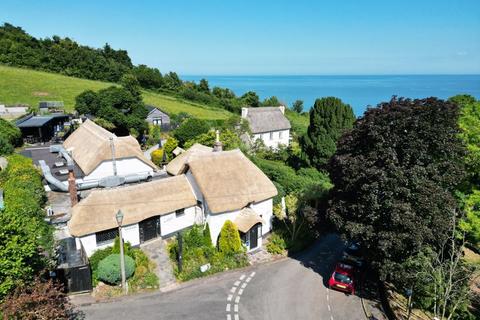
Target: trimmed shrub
{"x":229,"y":242}
{"x":157,"y":157}
{"x":207,"y":238}
{"x":276,"y":244}
{"x":109,"y":269}
{"x":5,"y":146}
{"x":169,"y":146}
{"x":127,"y":247}
{"x":98,"y":256}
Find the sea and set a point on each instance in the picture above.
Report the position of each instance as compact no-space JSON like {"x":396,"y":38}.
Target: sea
{"x":360,"y":91}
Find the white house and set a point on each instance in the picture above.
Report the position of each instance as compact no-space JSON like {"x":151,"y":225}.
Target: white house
{"x":100,"y":153}
{"x":268,"y":124}
{"x":207,"y":186}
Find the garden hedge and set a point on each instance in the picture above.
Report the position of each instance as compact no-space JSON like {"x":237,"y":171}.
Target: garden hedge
{"x":109,"y":269}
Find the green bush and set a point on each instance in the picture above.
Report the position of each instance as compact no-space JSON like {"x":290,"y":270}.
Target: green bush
{"x":10,"y":133}
{"x":276,"y":244}
{"x":98,"y":256}
{"x":109,"y":269}
{"x":157,"y":157}
{"x":229,"y":242}
{"x":5,"y":146}
{"x":189,"y":129}
{"x":127,"y":247}
{"x":169,"y":146}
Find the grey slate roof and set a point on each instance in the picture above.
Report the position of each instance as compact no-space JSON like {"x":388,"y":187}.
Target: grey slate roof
{"x":36,"y":121}
{"x":267,"y":119}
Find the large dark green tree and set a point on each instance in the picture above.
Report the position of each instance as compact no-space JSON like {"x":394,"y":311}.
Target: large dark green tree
{"x":394,"y":176}
{"x":329,"y":118}
{"x":190,"y":129}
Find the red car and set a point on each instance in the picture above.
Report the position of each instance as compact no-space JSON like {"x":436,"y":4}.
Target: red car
{"x":342,"y":278}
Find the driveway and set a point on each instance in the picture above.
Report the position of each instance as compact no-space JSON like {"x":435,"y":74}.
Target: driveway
{"x":292,"y":288}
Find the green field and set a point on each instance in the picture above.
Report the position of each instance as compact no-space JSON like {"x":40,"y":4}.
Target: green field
{"x":24,"y":86}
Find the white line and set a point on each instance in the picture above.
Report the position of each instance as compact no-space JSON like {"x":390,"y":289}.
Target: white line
{"x":229,"y":317}
{"x":237,"y":299}
{"x":236,"y":283}
{"x":244,"y":285}
{"x":228,"y":307}
{"x":248,"y":279}
{"x":233,"y":289}
{"x":252,"y":274}
{"x":328,"y":297}
{"x":242,"y":277}
{"x":237,"y":318}
{"x":329,"y":309}
{"x":331,"y":317}
{"x":235,"y":307}
{"x":240,"y":292}
{"x":229,"y":298}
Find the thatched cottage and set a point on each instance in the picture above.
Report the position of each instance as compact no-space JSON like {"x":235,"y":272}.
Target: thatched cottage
{"x":268,"y":124}
{"x":206,"y":186}
{"x":100,"y":153}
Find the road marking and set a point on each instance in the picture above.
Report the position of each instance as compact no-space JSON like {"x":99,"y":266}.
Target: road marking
{"x":233,"y":289}
{"x":244,"y":285}
{"x":237,"y":283}
{"x":229,"y":298}
{"x":328,"y":297}
{"x":240,"y":292}
{"x":331,"y":317}
{"x":329,"y":309}
{"x":242,"y":277}
{"x":237,"y":299}
{"x":235,"y":307}
{"x":229,"y":317}
{"x":252,"y":274}
{"x":248,"y":279}
{"x":237,"y":318}
{"x":228,"y":307}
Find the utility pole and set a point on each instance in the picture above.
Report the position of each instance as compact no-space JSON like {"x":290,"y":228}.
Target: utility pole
{"x":114,"y":163}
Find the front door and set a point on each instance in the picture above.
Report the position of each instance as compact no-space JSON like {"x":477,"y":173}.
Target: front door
{"x":149,"y":229}
{"x":253,"y":234}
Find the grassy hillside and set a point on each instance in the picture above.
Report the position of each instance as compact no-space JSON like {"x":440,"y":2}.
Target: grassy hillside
{"x":29,"y":87}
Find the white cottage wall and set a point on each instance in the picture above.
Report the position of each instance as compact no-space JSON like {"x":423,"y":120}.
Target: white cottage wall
{"x":265,"y":210}
{"x":171,"y":223}
{"x":130,"y":233}
{"x":274,"y":139}
{"x":124,"y":167}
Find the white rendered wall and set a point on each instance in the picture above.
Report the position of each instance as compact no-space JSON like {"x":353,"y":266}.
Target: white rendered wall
{"x":265,"y":210}
{"x":130,"y":234}
{"x":278,"y":138}
{"x":169,"y":223}
{"x":124,"y":167}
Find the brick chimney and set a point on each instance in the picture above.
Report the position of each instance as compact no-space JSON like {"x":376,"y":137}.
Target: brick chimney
{"x":72,"y":187}
{"x":282,"y":109}
{"x":217,"y":147}
{"x":244,"y":113}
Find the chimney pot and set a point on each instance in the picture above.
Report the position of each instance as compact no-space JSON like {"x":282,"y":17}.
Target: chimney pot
{"x":72,"y":187}
{"x":244,"y":112}
{"x":218,"y":145}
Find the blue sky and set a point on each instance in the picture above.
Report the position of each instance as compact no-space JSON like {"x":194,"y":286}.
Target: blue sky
{"x":269,"y":37}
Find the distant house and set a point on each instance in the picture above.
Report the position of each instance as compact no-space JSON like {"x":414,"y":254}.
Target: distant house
{"x":51,"y":107}
{"x":158,"y":117}
{"x":90,"y":146}
{"x":268,"y":124}
{"x":207,"y":187}
{"x":41,"y":128}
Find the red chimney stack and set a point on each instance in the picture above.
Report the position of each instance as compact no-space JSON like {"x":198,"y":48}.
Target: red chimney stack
{"x":72,"y":187}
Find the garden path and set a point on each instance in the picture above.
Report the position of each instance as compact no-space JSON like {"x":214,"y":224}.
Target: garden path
{"x":156,"y":250}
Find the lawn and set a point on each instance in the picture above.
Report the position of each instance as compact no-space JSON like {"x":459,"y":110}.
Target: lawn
{"x":24,"y":86}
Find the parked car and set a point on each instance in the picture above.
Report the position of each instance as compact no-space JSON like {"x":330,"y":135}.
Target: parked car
{"x":342,"y":278}
{"x":352,"y":255}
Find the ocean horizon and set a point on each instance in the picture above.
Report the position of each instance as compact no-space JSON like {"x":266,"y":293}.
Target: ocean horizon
{"x":360,"y":91}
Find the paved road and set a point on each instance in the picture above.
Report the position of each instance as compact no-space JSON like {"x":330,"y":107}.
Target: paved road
{"x":294,"y":288}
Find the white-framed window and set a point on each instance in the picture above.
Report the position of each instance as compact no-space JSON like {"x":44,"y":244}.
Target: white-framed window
{"x":179,"y":213}
{"x":157,"y":121}
{"x":271,"y":135}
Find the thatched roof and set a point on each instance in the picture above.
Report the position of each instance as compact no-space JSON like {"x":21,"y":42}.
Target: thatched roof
{"x":247,"y":219}
{"x":138,"y":202}
{"x":267,"y":119}
{"x":90,"y":145}
{"x":229,"y":181}
{"x":178,"y":164}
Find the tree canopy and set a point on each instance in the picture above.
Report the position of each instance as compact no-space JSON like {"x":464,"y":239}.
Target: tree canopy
{"x":190,"y":129}
{"x":329,"y":118}
{"x":394,"y":176}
